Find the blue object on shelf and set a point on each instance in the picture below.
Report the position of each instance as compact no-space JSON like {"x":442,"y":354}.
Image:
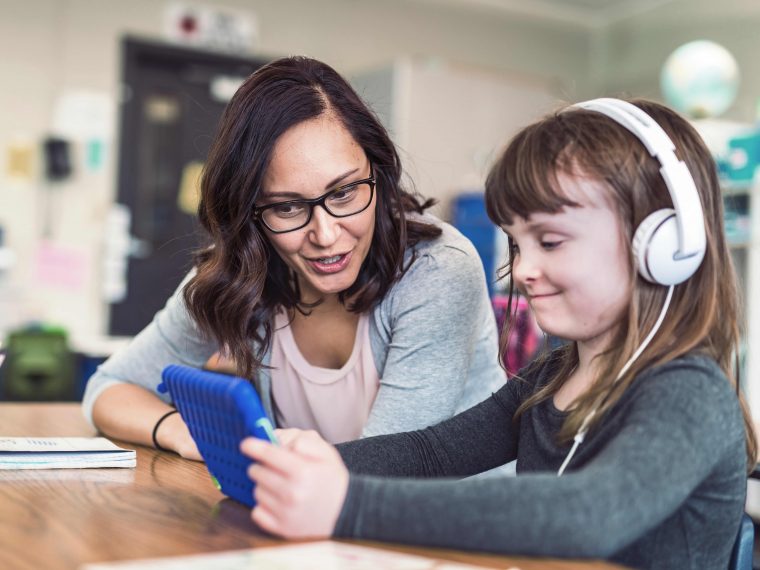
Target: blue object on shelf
{"x":743,"y":157}
{"x":469,"y":209}
{"x":88,"y":364}
{"x":736,"y":219}
{"x":469,"y":217}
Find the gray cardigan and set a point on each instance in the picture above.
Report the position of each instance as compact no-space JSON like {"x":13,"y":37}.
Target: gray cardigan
{"x":659,"y":484}
{"x":433,"y":339}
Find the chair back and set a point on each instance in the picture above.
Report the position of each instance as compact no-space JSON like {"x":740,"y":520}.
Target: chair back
{"x":39,"y":366}
{"x":741,"y":555}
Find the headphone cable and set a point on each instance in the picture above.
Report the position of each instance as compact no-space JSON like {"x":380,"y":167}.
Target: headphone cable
{"x":581,"y":435}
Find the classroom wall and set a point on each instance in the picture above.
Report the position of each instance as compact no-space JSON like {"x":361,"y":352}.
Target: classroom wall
{"x":628,"y":55}
{"x":51,"y":47}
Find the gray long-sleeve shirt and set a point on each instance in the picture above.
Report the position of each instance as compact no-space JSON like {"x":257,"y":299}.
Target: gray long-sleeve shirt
{"x":433,"y":339}
{"x":659,"y":484}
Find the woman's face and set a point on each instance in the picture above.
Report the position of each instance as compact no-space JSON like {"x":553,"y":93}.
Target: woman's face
{"x":308,"y":160}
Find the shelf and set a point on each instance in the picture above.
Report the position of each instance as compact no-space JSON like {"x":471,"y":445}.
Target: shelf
{"x":7,"y":258}
{"x":735,"y":188}
{"x":743,"y":215}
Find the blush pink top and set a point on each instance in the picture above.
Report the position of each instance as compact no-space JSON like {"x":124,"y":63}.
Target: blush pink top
{"x":334,"y":402}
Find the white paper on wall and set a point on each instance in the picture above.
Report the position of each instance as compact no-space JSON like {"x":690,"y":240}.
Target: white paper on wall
{"x":84,"y":115}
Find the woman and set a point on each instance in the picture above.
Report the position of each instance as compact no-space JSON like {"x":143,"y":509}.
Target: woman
{"x":353,"y":312}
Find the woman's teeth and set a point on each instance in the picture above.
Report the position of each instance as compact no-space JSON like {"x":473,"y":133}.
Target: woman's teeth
{"x":329,"y":259}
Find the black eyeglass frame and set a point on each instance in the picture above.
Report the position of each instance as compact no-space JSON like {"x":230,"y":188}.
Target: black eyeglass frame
{"x":320,"y":201}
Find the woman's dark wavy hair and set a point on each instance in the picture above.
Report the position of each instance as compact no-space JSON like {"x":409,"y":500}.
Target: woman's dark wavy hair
{"x":240,"y":280}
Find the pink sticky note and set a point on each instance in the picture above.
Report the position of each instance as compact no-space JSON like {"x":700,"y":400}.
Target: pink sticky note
{"x":60,"y":267}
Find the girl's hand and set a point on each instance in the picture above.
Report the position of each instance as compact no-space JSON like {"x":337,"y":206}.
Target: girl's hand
{"x":287,"y":435}
{"x":300,"y":487}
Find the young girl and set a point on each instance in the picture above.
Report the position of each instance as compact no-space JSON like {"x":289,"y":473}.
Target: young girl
{"x":354,"y":313}
{"x":639,"y":414}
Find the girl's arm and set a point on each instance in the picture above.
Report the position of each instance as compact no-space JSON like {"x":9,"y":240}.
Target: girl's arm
{"x":679,"y":430}
{"x":442,"y":346}
{"x":670,"y":466}
{"x":121,"y":398}
{"x":474,"y":441}
{"x":301,"y":486}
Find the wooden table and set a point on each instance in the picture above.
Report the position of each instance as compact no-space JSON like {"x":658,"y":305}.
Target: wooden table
{"x":62,"y":518}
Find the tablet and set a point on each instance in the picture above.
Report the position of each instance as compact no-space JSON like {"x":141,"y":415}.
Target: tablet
{"x":220,"y":411}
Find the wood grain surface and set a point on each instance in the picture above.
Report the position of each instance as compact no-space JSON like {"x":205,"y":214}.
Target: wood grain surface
{"x":167,"y":506}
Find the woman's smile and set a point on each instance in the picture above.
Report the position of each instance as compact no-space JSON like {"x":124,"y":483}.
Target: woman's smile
{"x":332,"y":264}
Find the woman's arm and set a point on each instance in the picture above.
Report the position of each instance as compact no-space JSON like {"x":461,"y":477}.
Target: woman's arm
{"x":145,"y":409}
{"x":435,"y":321}
{"x":121,"y":398}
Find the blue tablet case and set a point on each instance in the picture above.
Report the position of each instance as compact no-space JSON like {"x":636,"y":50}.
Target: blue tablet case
{"x":220,"y":411}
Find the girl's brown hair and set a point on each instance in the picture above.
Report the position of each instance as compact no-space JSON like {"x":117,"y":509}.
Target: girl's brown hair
{"x":703,"y":314}
{"x":240,"y":280}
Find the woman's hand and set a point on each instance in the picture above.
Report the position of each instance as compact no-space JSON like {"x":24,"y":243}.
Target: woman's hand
{"x":300,"y":486}
{"x":174,"y":434}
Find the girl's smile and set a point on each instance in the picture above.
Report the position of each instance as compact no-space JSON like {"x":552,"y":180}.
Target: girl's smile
{"x":573,"y":266}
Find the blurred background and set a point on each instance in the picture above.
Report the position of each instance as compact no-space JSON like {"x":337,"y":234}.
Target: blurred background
{"x":108,"y":108}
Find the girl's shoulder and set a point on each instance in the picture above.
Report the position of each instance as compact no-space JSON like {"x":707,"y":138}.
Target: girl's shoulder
{"x":537,"y":373}
{"x":691,"y":371}
{"x":691,"y":377}
{"x":691,"y":396}
{"x":693,"y":382}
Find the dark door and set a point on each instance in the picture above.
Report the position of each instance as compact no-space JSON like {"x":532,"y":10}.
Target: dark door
{"x":173,"y":100}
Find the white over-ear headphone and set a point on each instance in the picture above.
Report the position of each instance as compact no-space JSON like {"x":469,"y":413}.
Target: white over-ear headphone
{"x":670,"y":243}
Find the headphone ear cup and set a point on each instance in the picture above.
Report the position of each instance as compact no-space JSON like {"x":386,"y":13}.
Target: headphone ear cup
{"x":655,"y":245}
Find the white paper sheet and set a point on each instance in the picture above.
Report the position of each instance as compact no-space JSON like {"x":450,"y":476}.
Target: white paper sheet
{"x":63,"y":453}
{"x":309,"y":556}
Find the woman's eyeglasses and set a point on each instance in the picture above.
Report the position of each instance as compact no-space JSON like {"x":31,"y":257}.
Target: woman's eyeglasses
{"x":341,"y":202}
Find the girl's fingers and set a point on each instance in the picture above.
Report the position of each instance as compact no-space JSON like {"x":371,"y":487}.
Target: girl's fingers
{"x":286,"y":436}
{"x":277,"y":458}
{"x":265,"y":520}
{"x":269,"y":480}
{"x":310,"y":444}
{"x":265,"y":499}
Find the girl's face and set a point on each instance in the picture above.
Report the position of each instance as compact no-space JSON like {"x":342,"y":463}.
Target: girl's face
{"x":573,"y":266}
{"x":308,"y":160}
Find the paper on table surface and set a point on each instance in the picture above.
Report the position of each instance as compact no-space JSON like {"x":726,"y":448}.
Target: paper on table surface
{"x":63,"y":453}
{"x":309,"y":556}
{"x":57,"y":444}
{"x":97,"y":463}
{"x":97,"y":476}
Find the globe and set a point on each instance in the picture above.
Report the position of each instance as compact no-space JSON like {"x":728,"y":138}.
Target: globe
{"x":700,"y":79}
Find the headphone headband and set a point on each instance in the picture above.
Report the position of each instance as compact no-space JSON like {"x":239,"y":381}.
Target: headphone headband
{"x":675,"y":173}
{"x":669,"y":244}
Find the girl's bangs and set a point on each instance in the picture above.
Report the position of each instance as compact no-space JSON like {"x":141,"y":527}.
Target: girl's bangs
{"x":524,"y":180}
